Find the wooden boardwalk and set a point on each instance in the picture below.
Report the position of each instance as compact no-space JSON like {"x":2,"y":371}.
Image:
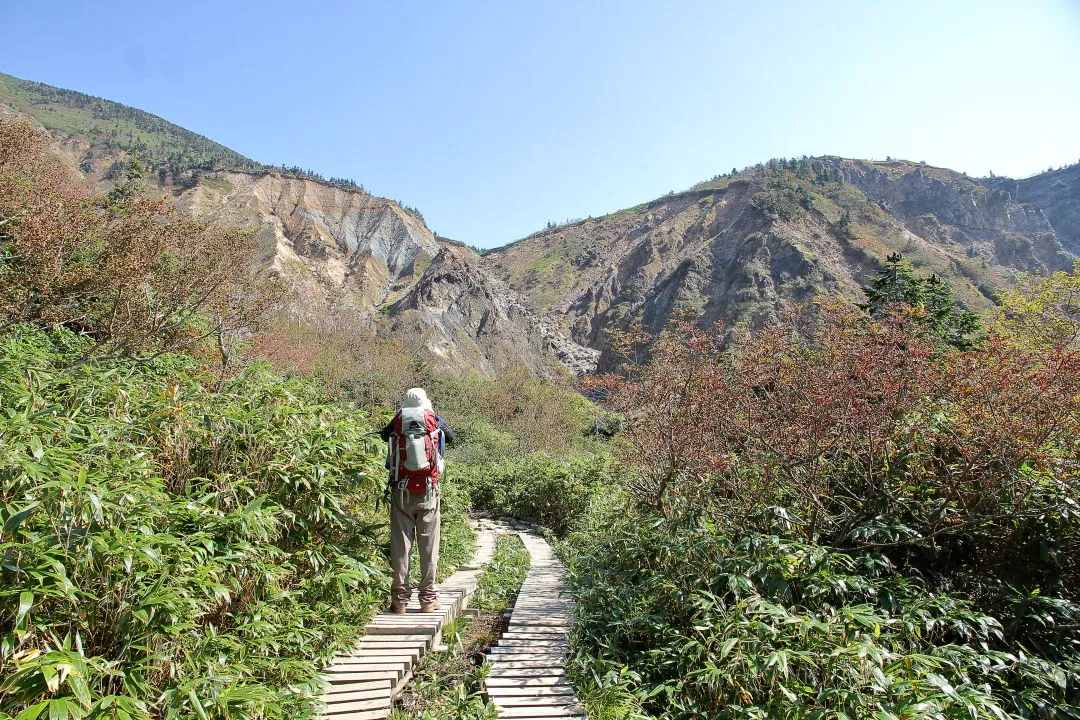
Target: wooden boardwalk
{"x":363,"y":682}
{"x":527,"y":677}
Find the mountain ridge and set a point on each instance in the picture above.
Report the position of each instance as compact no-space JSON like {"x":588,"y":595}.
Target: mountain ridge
{"x":738,"y":248}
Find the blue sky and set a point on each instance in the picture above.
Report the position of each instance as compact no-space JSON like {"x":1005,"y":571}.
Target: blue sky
{"x":494,"y":118}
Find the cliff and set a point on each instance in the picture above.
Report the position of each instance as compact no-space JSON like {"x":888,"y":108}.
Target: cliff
{"x":742,"y":248}
{"x":338,"y":247}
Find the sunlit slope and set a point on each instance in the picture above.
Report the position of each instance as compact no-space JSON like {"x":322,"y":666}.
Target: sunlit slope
{"x":742,"y":247}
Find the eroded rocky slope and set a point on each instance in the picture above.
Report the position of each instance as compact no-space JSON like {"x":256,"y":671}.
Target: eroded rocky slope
{"x":339,"y":248}
{"x":741,"y":248}
{"x":1057,"y":194}
{"x":737,"y":249}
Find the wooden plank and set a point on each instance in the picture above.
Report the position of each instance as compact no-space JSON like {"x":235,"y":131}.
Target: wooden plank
{"x":360,"y":677}
{"x":529,"y":691}
{"x":426,"y":630}
{"x":533,"y":701}
{"x":508,"y":667}
{"x":546,"y":680}
{"x":383,"y":703}
{"x":363,"y":655}
{"x":540,"y":712}
{"x":524,"y":655}
{"x":387,"y":641}
{"x":348,"y":670}
{"x":387,"y":656}
{"x":357,"y":691}
{"x":368,"y":715}
{"x":545,"y":670}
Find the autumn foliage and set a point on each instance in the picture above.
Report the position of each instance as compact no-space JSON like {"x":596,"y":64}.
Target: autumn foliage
{"x":838,"y":517}
{"x":849,"y":429}
{"x":124,"y":268}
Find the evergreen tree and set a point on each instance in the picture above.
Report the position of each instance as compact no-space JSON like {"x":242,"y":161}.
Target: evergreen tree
{"x":954,"y":326}
{"x":896,"y":283}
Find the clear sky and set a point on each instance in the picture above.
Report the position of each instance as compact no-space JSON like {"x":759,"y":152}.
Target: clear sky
{"x":493,"y":118}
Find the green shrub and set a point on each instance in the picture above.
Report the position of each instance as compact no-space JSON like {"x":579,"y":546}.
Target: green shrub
{"x":550,"y":491}
{"x":171,"y":551}
{"x":703,"y":626}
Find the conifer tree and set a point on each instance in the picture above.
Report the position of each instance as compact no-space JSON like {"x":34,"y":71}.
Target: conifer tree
{"x":954,"y":326}
{"x":896,"y":284}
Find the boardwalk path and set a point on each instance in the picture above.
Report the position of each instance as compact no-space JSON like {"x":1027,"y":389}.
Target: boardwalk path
{"x":527,"y":677}
{"x":526,"y":680}
{"x":363,"y":682}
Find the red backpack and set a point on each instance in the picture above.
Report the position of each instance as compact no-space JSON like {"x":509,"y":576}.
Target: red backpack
{"x":416,"y":450}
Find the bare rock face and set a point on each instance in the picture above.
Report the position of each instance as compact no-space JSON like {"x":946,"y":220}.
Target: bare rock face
{"x":457,"y":312}
{"x":741,"y":249}
{"x":337,"y":246}
{"x":1057,"y":194}
{"x":950,"y":209}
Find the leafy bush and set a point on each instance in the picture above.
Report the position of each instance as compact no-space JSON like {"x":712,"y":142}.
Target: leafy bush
{"x":703,"y":626}
{"x":849,"y":430}
{"x":550,"y":491}
{"x":170,"y":551}
{"x":125,"y":269}
{"x":1043,"y":310}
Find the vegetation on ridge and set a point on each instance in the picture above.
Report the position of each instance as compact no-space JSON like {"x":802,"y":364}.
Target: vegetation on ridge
{"x":831,"y":518}
{"x":117,"y":127}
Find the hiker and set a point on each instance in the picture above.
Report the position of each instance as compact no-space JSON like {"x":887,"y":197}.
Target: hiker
{"x":416,"y":438}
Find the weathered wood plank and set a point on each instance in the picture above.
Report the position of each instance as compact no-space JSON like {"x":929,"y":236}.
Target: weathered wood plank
{"x":362,"y":682}
{"x":546,"y":700}
{"x":540,"y":712}
{"x":527,"y":678}
{"x":530,"y":691}
{"x":546,"y":670}
{"x":543,"y":680}
{"x":358,"y":691}
{"x":382,"y":703}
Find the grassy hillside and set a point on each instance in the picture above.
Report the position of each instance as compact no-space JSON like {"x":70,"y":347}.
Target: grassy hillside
{"x":115,"y":132}
{"x":119,"y":128}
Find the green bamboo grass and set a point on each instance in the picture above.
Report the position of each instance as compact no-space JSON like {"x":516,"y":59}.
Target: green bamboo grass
{"x":172,"y":551}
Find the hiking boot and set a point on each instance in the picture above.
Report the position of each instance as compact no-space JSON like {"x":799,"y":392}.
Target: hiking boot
{"x":430,"y":605}
{"x":398,"y":606}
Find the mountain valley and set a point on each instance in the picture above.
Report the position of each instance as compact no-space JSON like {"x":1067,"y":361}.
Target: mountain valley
{"x":739,"y":248}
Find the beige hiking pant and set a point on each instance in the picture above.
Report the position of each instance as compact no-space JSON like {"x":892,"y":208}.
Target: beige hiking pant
{"x":411,"y":515}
